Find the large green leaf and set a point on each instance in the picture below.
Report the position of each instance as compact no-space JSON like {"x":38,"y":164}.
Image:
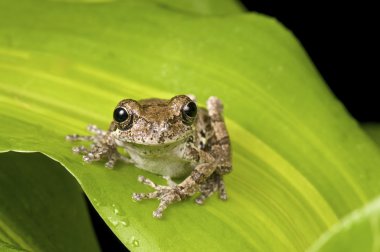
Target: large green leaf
{"x":300,"y":162}
{"x":359,"y":231}
{"x":6,"y":247}
{"x":42,"y":208}
{"x":373,"y":131}
{"x":203,"y":7}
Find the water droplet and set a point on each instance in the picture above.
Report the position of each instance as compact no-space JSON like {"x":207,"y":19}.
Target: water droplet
{"x":113,"y":220}
{"x":117,"y":209}
{"x":124,"y":222}
{"x":135,"y":242}
{"x":117,"y":221}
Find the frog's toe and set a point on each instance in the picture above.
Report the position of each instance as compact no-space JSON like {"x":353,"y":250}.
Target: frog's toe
{"x":80,"y":149}
{"x":157,"y":214}
{"x":201,"y":198}
{"x":137,"y":196}
{"x":148,"y":182}
{"x":76,"y":137}
{"x":110,"y":164}
{"x":141,"y":196}
{"x":141,"y":178}
{"x":94,"y":129}
{"x":91,"y":156}
{"x":213,"y":183}
{"x":161,"y":208}
{"x":222,"y":190}
{"x":169,"y":197}
{"x":223,"y":196}
{"x":72,"y":137}
{"x":88,"y":158}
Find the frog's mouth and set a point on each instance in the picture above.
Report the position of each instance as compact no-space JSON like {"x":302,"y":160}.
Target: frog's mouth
{"x":153,"y":141}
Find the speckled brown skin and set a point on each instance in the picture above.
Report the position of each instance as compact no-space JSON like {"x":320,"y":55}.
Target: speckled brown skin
{"x":159,"y":138}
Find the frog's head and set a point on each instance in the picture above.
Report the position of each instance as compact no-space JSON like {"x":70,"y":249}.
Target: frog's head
{"x":154,"y":121}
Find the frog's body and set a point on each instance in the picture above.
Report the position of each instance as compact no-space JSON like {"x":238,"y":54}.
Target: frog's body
{"x":167,"y":137}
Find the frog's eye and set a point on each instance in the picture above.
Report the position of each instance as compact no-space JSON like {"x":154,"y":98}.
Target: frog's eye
{"x":120,"y":114}
{"x":189,"y":112}
{"x":123,"y":117}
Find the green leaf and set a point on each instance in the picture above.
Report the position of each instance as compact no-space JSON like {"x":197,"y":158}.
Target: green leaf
{"x":204,"y":7}
{"x":5,"y":247}
{"x":300,"y":162}
{"x":373,"y":131}
{"x":359,"y":231}
{"x":42,"y":208}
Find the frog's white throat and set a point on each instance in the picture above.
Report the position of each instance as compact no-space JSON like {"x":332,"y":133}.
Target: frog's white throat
{"x":164,"y":159}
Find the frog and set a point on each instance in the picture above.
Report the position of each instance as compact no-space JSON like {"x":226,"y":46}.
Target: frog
{"x":173,"y":138}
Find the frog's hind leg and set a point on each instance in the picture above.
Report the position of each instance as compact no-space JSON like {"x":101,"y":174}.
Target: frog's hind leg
{"x":220,"y":146}
{"x":207,"y":189}
{"x":215,"y":158}
{"x":213,"y":183}
{"x":220,"y":149}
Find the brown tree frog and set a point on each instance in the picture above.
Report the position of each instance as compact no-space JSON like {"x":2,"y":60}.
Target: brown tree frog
{"x":172,"y":138}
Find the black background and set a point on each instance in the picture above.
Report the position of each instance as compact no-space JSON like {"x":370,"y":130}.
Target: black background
{"x":340,"y":39}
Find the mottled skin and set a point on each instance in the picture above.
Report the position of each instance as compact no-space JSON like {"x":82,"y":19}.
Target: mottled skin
{"x":160,"y":137}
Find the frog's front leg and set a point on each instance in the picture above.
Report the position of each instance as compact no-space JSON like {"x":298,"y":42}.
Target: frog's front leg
{"x":102,"y":147}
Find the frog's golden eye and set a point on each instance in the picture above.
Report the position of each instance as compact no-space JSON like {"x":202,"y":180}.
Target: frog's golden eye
{"x":189,"y":112}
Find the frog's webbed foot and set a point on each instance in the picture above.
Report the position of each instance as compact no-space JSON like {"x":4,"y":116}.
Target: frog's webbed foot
{"x":165,"y":194}
{"x":102,"y":147}
{"x":212,"y":184}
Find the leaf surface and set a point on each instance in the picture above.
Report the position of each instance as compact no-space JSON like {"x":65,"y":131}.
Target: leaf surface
{"x":42,"y":207}
{"x":300,"y":162}
{"x":204,"y":7}
{"x":373,"y":131}
{"x":359,"y":231}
